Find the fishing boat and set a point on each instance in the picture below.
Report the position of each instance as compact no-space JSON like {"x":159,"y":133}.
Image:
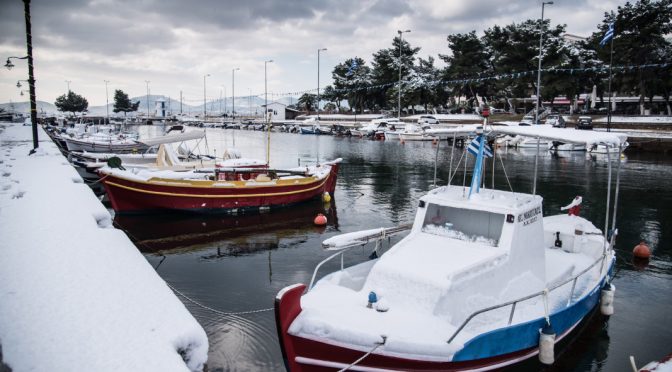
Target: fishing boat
{"x":413,"y":132}
{"x":215,"y":190}
{"x":483,"y":279}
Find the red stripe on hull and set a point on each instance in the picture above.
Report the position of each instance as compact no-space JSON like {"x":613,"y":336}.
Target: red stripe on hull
{"x":131,"y":196}
{"x":288,"y":307}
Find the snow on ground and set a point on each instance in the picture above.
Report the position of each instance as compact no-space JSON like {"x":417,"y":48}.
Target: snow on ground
{"x":637,"y":119}
{"x":75,"y":293}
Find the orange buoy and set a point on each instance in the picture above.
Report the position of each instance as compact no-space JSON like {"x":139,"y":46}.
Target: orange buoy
{"x":642,"y":250}
{"x":320,"y":220}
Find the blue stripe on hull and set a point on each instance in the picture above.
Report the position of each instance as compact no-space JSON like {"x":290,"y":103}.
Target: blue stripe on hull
{"x":526,"y":335}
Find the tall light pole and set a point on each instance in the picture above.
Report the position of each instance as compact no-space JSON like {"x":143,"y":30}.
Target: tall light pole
{"x":205,"y":106}
{"x":107,"y":102}
{"x":67,"y":82}
{"x":31,"y":75}
{"x":268,"y":128}
{"x":233,"y":93}
{"x":147,"y":82}
{"x":541,"y":36}
{"x":399,"y":88}
{"x":318,"y":81}
{"x":266,"y":93}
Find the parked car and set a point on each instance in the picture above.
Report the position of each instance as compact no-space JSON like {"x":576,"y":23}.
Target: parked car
{"x":556,"y":120}
{"x":427,"y":119}
{"x":584,"y":122}
{"x":527,"y":120}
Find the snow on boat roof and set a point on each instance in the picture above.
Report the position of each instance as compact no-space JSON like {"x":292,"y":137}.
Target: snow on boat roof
{"x":75,"y":293}
{"x":487,"y":199}
{"x":172,"y":138}
{"x":587,"y":137}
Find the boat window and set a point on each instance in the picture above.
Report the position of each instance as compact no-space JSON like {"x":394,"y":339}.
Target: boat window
{"x":464,"y":224}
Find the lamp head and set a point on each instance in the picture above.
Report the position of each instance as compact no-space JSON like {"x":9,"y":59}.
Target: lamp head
{"x":9,"y":64}
{"x":549,"y":3}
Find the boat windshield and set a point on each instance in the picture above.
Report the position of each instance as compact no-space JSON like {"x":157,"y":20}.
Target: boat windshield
{"x":464,"y":224}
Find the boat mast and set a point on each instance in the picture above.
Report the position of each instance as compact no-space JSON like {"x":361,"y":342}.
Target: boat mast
{"x":606,"y":217}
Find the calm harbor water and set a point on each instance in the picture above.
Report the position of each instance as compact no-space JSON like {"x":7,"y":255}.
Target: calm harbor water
{"x":239,"y":263}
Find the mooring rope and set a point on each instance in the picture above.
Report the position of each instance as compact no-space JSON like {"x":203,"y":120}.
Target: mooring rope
{"x":101,"y":179}
{"x":378,"y":344}
{"x":218,"y":312}
{"x":215,"y":310}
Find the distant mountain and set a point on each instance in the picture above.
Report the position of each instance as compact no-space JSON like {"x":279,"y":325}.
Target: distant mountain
{"x":25,"y":107}
{"x":243,"y":105}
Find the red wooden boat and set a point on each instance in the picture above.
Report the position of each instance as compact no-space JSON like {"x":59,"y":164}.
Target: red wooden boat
{"x":230,"y":190}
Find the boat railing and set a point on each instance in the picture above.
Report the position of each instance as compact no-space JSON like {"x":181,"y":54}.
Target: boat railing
{"x":544,"y":292}
{"x":357,"y":242}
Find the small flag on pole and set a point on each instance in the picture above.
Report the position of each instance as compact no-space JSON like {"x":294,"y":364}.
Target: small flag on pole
{"x":608,"y":35}
{"x":352,"y":68}
{"x":474,"y":145}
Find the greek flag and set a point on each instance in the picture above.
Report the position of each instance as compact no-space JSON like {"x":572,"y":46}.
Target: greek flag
{"x":608,"y":36}
{"x":352,"y":68}
{"x":475,"y":144}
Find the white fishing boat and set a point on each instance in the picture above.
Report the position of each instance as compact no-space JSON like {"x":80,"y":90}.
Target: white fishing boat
{"x":176,"y":151}
{"x":601,"y":149}
{"x":482,"y":280}
{"x":414,"y":132}
{"x":561,"y":146}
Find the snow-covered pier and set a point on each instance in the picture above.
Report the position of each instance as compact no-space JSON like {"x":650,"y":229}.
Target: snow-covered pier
{"x":75,"y":293}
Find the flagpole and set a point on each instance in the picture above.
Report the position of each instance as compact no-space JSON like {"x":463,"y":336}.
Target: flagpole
{"x":611,"y":62}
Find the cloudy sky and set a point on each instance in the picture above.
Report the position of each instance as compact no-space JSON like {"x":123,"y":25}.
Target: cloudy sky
{"x":174,"y":43}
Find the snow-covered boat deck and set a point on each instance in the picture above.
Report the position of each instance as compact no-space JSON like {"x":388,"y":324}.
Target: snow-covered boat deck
{"x":75,"y":293}
{"x":434,"y":278}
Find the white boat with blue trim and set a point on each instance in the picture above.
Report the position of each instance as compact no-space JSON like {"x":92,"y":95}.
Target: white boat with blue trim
{"x":483,"y":279}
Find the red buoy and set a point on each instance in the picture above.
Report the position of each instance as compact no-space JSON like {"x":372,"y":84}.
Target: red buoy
{"x":642,"y":250}
{"x":320,"y":220}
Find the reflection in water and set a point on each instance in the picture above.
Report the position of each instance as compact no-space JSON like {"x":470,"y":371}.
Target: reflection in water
{"x":238,"y":263}
{"x":232,"y":235}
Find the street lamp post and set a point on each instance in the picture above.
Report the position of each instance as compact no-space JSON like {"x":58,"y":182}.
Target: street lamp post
{"x":67,"y":82}
{"x":31,"y":75}
{"x":399,"y":88}
{"x":107,"y":102}
{"x":268,"y":128}
{"x":541,"y":36}
{"x":318,"y":81}
{"x":147,"y":83}
{"x":233,"y":93}
{"x":205,"y":106}
{"x":266,"y":92}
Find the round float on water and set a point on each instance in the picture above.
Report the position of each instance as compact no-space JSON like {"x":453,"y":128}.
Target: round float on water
{"x":320,"y":220}
{"x":642,"y":250}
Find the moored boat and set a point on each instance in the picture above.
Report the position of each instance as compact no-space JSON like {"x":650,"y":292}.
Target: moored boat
{"x":217,"y":189}
{"x":483,"y":280}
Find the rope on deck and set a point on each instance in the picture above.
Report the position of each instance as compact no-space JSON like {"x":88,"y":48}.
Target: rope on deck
{"x":378,"y":344}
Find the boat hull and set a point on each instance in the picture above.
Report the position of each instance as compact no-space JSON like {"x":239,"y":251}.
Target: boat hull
{"x":131,"y":196}
{"x":77,"y":145}
{"x":489,"y":351}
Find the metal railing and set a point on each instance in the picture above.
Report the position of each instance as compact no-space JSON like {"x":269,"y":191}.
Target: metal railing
{"x":544,"y":292}
{"x":358,"y":242}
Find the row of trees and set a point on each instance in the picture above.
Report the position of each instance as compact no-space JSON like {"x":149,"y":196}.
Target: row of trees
{"x":75,"y":103}
{"x":500,"y":51}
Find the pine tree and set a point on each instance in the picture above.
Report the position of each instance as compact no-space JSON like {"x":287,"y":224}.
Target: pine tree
{"x":71,"y":102}
{"x":123,"y":104}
